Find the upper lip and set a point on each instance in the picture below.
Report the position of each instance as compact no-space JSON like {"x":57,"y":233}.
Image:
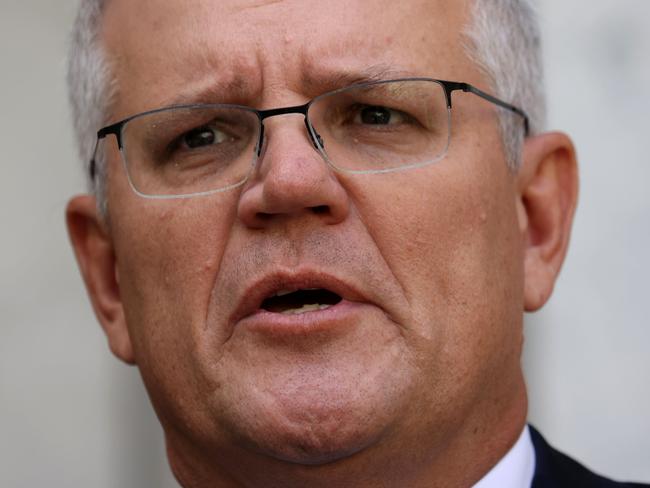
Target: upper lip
{"x":268,"y":285}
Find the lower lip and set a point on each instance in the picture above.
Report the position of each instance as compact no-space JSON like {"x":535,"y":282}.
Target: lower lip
{"x":337,"y":317}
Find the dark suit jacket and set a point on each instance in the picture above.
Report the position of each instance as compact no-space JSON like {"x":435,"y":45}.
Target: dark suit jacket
{"x":556,"y":470}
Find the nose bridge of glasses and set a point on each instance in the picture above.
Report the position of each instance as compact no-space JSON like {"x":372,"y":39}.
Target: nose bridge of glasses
{"x":315,"y":138}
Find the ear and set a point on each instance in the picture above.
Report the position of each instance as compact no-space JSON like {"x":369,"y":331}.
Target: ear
{"x":95,"y":254}
{"x":547,"y":198}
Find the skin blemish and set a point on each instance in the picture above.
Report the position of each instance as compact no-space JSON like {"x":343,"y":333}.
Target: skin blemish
{"x":207,"y":266}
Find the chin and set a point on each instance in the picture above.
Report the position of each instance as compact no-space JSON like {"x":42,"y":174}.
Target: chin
{"x":317,"y":425}
{"x":312,"y":402}
{"x":319,"y":443}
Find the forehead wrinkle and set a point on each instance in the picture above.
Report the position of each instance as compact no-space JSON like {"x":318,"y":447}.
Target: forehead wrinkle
{"x":215,"y":78}
{"x":345,"y":59}
{"x":156,"y":78}
{"x":315,"y":67}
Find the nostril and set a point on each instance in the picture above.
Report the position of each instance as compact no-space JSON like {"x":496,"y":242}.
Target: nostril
{"x":263,"y":217}
{"x":320,"y":209}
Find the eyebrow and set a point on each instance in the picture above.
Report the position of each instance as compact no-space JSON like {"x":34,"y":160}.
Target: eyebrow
{"x":231,"y":91}
{"x":314,"y":82}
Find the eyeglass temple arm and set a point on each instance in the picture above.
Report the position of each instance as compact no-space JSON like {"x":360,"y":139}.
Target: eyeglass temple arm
{"x":101,"y":134}
{"x":467,"y":88}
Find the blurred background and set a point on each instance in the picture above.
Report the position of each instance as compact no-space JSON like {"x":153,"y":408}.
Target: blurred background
{"x":72,"y":416}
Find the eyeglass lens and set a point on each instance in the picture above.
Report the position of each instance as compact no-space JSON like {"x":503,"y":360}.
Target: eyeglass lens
{"x":369,"y":128}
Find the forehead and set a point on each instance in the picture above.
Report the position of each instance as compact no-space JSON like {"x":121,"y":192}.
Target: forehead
{"x":165,"y":51}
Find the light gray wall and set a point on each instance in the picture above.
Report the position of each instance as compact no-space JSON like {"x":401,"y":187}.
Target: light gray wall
{"x":71,"y":415}
{"x":587,"y":353}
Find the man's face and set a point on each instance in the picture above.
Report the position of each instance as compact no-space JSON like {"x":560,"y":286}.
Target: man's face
{"x":428,"y":262}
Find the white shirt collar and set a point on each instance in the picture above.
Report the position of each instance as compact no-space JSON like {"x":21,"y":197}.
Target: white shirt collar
{"x":516,"y":469}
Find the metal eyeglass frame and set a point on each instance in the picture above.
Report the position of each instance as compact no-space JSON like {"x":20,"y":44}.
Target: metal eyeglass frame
{"x":448,"y":86}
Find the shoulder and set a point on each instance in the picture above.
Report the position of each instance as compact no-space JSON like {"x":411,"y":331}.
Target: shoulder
{"x":556,"y":470}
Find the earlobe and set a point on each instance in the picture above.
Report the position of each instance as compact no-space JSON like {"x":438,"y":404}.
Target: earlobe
{"x":547,"y":198}
{"x":96,"y":258}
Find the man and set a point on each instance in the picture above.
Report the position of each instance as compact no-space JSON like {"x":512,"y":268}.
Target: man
{"x":317,"y":252}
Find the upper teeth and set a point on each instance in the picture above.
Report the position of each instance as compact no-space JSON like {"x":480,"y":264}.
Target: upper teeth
{"x":309,"y":307}
{"x":282,"y":293}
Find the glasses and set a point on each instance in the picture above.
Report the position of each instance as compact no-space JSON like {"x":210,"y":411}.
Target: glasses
{"x":366,"y":128}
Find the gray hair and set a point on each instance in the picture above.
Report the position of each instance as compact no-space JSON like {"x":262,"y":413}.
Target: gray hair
{"x":503,"y":38}
{"x":91,"y":90}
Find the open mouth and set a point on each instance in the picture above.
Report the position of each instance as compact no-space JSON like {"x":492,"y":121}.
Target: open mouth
{"x":300,"y":301}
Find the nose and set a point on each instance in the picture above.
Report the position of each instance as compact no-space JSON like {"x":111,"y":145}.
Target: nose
{"x":292,"y":180}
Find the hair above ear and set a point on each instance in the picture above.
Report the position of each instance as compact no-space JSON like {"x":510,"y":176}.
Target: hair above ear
{"x":547,"y":199}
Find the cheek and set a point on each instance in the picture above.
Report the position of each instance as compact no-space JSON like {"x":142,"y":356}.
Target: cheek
{"x":168,"y":255}
{"x":449,"y":234}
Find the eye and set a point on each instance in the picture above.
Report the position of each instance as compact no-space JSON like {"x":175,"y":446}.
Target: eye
{"x":378,"y":115}
{"x":204,"y":136}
